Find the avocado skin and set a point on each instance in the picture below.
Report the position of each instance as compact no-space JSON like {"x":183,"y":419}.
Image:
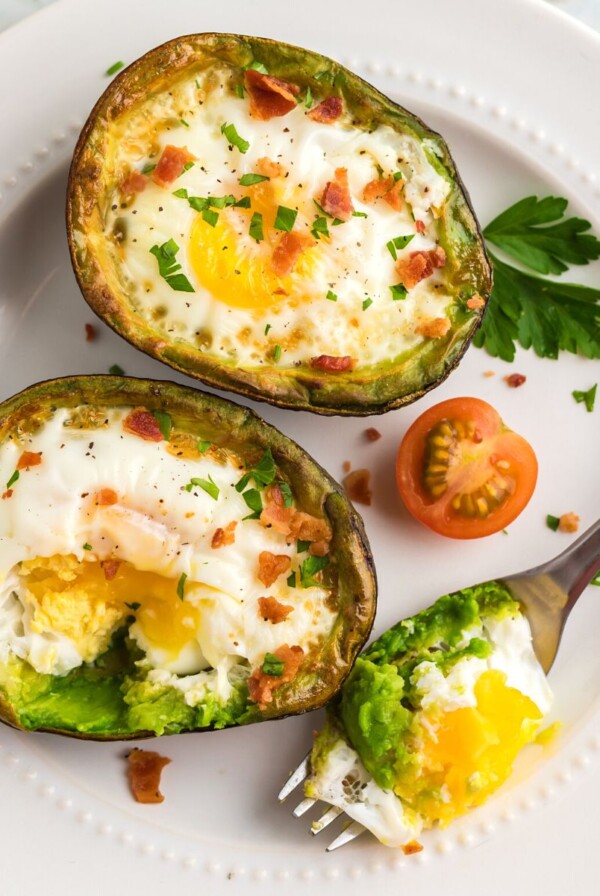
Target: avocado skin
{"x":239,"y":429}
{"x":374,"y":390}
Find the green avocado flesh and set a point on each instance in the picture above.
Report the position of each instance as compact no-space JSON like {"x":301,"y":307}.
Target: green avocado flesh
{"x":376,"y":707}
{"x":172,"y":529}
{"x":190,"y":271}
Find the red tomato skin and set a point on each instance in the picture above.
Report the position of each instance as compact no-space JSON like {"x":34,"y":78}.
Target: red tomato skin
{"x":495,"y":439}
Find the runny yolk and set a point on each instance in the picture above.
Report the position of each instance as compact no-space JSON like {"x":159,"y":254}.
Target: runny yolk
{"x":75,"y":599}
{"x":235,"y":268}
{"x":469,"y":752}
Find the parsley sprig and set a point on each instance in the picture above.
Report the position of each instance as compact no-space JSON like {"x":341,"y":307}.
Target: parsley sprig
{"x":168,"y":267}
{"x":537,"y":312}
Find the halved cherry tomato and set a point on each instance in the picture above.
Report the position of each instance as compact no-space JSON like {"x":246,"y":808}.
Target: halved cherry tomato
{"x":462,"y":472}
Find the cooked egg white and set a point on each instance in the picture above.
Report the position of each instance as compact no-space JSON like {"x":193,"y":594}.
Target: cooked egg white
{"x":236,"y":293}
{"x":191,"y":608}
{"x":469,"y":727}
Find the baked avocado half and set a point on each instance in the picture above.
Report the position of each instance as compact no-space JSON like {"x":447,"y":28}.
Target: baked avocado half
{"x":168,"y":562}
{"x":255,"y":215}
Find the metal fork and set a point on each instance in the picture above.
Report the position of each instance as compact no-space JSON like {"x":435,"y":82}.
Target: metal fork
{"x":547,"y":594}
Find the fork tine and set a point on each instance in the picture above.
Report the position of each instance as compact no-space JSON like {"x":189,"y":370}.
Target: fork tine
{"x":303,"y":807}
{"x":295,"y":778}
{"x":352,"y":831}
{"x":332,"y":813}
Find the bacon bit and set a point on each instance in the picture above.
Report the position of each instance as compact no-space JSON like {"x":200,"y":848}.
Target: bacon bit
{"x":288,"y":250}
{"x":419,"y":265}
{"x":269,"y":97}
{"x":29,"y":459}
{"x":433,"y":327}
{"x":328,"y":111}
{"x":224,"y":536}
{"x":269,"y":168}
{"x":275,"y":513}
{"x":271,"y":566}
{"x":90,"y":332}
{"x":358,"y":486}
{"x":319,"y":548}
{"x":384,"y":188}
{"x":261,"y":685}
{"x":111,"y":568}
{"x":143,"y":424}
{"x":420,"y":226}
{"x":475,"y":302}
{"x":332,"y":363}
{"x":171,"y":164}
{"x":306,"y":527}
{"x":412,"y":847}
{"x":514,"y":380}
{"x":144,"y":772}
{"x":372,"y":434}
{"x":106,"y":496}
{"x":135,"y":182}
{"x":272,"y":611}
{"x":568,"y":522}
{"x":7,"y":494}
{"x":346,"y":466}
{"x":336,"y":199}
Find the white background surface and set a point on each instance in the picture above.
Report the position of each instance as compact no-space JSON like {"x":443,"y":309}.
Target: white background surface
{"x":509,"y":84}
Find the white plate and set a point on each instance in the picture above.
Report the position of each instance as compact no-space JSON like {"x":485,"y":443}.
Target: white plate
{"x":510,"y":84}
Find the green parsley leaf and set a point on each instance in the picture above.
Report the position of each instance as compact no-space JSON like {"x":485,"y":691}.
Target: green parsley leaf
{"x":399,"y":242}
{"x":221,"y":201}
{"x":148,"y":168}
{"x":254,"y":501}
{"x":256,"y":227}
{"x":239,"y":89}
{"x":257,"y":66}
{"x":367,"y":304}
{"x":248,"y":180}
{"x":277,"y":353}
{"x":168,"y":267}
{"x":183,"y":122}
{"x":548,"y":315}
{"x":114,"y":68}
{"x":359,"y":215}
{"x":181,"y":193}
{"x":302,"y":546}
{"x":188,"y":165}
{"x":207,"y":485}
{"x":13,"y":479}
{"x":552,"y":522}
{"x":272,"y":665}
{"x":181,"y":585}
{"x":331,"y":296}
{"x":244,"y":202}
{"x":285,"y":218}
{"x":309,"y":568}
{"x":210,"y":216}
{"x":319,"y":227}
{"x":116,"y":370}
{"x":165,"y":424}
{"x":595,"y":580}
{"x":231,"y":135}
{"x":135,"y":605}
{"x":536,"y":233}
{"x":203,"y":446}
{"x":588,"y":398}
{"x":399,"y":292}
{"x":87,"y":546}
{"x":291,"y":580}
{"x":397,"y":175}
{"x":263,"y":473}
{"x":335,"y":222}
{"x":308,"y":99}
{"x":286,"y":493}
{"x":267,"y":328}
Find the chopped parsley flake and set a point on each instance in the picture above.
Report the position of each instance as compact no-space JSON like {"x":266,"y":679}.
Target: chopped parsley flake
{"x":302,"y":546}
{"x":256,"y":227}
{"x":319,"y":227}
{"x":13,"y":479}
{"x":239,"y":89}
{"x":588,"y":398}
{"x":272,"y":665}
{"x":309,"y":568}
{"x":210,"y":216}
{"x":277,"y":353}
{"x":367,"y":304}
{"x":285,"y":218}
{"x":168,"y":267}
{"x":114,"y":68}
{"x":263,"y":473}
{"x":335,"y":222}
{"x":207,"y":485}
{"x":116,"y":370}
{"x":248,"y":180}
{"x":359,"y":215}
{"x":148,"y":168}
{"x":267,"y":328}
{"x":552,"y":522}
{"x":87,"y":546}
{"x":286,"y":493}
{"x":308,"y":99}
{"x":244,"y":202}
{"x":397,"y":175}
{"x":291,"y":580}
{"x":331,"y":296}
{"x":165,"y":424}
{"x":188,"y":165}
{"x":254,"y":502}
{"x":399,"y":291}
{"x":183,"y":122}
{"x":230,"y":133}
{"x":258,"y":67}
{"x":181,"y":585}
{"x":203,"y":446}
{"x":398,"y":242}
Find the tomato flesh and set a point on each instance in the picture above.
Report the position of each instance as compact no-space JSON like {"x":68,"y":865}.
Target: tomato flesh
{"x":462,"y":472}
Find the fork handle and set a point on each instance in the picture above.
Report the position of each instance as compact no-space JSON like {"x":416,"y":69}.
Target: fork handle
{"x":575,"y":567}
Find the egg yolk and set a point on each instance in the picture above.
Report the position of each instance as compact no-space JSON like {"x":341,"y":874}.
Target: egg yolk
{"x":77,"y":600}
{"x":236,"y":269}
{"x":467,"y":753}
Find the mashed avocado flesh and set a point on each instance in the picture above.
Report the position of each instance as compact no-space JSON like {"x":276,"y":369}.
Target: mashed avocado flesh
{"x":375,"y":711}
{"x":110,"y":696}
